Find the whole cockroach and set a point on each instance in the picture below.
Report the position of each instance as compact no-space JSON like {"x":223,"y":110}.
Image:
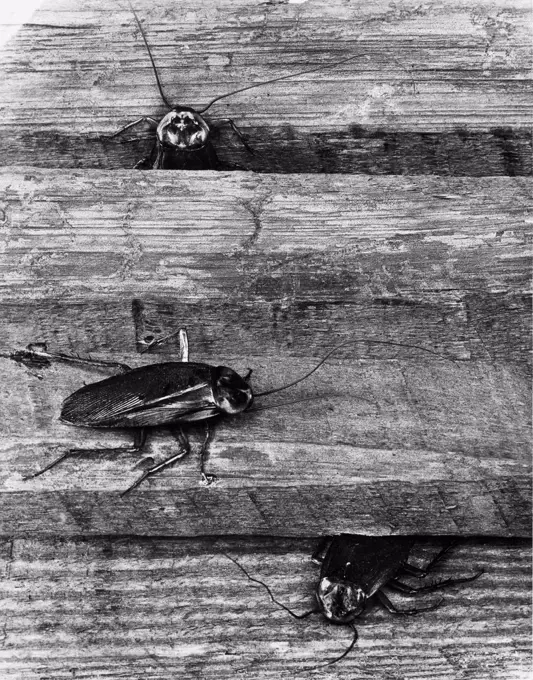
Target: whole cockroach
{"x":183,"y":135}
{"x":354,"y":571}
{"x":170,"y":394}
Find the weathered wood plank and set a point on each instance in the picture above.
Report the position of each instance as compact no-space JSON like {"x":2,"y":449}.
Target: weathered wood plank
{"x":269,"y":262}
{"x":155,"y":609}
{"x":270,"y":273}
{"x":439,"y":88}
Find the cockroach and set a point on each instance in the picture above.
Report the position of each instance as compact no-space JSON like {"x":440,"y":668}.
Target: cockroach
{"x":183,"y":135}
{"x":170,"y":394}
{"x":354,"y":571}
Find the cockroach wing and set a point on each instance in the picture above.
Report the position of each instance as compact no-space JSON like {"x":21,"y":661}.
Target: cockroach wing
{"x":366,"y":561}
{"x":159,"y":394}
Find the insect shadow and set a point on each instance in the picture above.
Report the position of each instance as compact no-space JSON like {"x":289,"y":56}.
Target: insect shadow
{"x":171,"y":394}
{"x":183,"y":136}
{"x":354,"y":571}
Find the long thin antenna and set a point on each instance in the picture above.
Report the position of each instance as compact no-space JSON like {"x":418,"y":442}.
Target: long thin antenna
{"x":163,"y":97}
{"x":256,"y":580}
{"x":345,"y":653}
{"x":313,"y":397}
{"x":299,"y":616}
{"x":344,"y":344}
{"x":275,"y":80}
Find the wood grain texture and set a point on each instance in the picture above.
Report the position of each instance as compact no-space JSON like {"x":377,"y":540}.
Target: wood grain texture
{"x":439,"y":88}
{"x":270,"y":273}
{"x":158,"y":609}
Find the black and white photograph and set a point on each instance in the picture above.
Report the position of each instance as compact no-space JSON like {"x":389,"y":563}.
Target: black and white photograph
{"x":265,"y":339}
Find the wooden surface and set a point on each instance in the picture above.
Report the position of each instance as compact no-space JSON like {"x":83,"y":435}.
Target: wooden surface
{"x":270,"y":273}
{"x":158,"y":609}
{"x":438,"y":88}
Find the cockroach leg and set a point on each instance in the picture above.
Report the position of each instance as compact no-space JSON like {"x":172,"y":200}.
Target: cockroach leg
{"x":184,"y":442}
{"x":239,"y":134}
{"x":398,"y":585}
{"x":184,"y":345}
{"x":143,"y":119}
{"x":182,"y":439}
{"x":144,"y":161}
{"x":405,"y":612}
{"x":39,"y":351}
{"x":317,"y":557}
{"x":421,"y":573}
{"x":150,"y":342}
{"x":138,"y":444}
{"x":206,"y":480}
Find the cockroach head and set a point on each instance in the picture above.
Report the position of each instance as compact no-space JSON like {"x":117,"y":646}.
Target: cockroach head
{"x":340,"y":601}
{"x":183,"y":129}
{"x":232,"y":393}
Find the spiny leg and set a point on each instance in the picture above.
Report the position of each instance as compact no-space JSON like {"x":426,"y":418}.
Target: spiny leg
{"x":138,"y":443}
{"x":212,"y":159}
{"x":184,"y":443}
{"x":142,"y":119}
{"x":404,"y":612}
{"x":395,"y":584}
{"x":239,"y":134}
{"x":158,"y":162}
{"x":206,"y":480}
{"x":182,"y":439}
{"x":39,"y":350}
{"x":183,"y":340}
{"x":141,"y":165}
{"x":421,"y":573}
{"x":184,"y":345}
{"x":317,"y":557}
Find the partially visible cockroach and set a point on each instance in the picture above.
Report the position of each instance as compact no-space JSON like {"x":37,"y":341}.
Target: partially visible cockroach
{"x":170,"y":394}
{"x":183,"y":135}
{"x":354,"y":571}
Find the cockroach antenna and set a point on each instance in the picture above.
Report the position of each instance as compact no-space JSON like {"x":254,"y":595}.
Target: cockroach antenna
{"x":298,"y":616}
{"x":174,"y":393}
{"x":343,"y":655}
{"x":345,"y":344}
{"x":160,"y":87}
{"x":262,"y":583}
{"x":323,"y":67}
{"x":183,"y":138}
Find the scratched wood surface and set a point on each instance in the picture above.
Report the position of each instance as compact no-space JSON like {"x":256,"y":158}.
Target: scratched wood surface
{"x":438,"y":88}
{"x":270,"y":273}
{"x":158,"y":609}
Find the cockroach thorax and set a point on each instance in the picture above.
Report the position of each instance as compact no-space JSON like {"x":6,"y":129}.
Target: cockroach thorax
{"x":232,"y":393}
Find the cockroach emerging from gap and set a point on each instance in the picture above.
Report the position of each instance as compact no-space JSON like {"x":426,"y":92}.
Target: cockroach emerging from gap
{"x":183,"y":136}
{"x":171,"y":394}
{"x":354,"y":571}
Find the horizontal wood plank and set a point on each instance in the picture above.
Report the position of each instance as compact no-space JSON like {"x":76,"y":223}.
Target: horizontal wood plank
{"x":270,"y":273}
{"x":157,"y":608}
{"x":437,"y":88}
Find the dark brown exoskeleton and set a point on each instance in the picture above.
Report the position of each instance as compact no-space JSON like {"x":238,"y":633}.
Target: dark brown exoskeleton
{"x":171,"y":394}
{"x":354,"y":571}
{"x":183,"y":135}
